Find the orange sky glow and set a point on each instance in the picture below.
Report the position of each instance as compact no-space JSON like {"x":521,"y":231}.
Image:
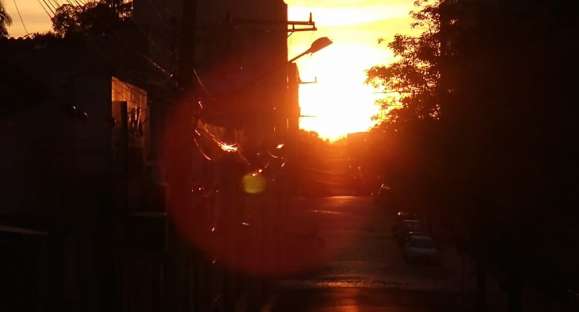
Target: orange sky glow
{"x":339,"y":103}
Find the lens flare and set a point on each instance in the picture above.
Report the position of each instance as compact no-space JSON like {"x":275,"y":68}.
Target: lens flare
{"x":254,"y":183}
{"x":229,"y":148}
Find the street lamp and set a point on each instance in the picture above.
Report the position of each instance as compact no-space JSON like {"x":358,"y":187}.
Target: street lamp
{"x":294,"y":82}
{"x":316,"y":46}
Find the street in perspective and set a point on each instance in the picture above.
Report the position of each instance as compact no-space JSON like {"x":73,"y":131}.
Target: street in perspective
{"x":288,"y":156}
{"x":365,"y":268}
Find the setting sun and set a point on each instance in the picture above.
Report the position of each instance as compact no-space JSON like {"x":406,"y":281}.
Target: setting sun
{"x":289,"y":155}
{"x":339,"y":102}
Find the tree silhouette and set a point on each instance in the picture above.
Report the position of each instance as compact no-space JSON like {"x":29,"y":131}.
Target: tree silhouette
{"x":484,"y":132}
{"x":5,"y":20}
{"x":93,"y":18}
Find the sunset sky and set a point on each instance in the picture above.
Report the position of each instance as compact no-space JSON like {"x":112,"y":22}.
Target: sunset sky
{"x":339,"y":103}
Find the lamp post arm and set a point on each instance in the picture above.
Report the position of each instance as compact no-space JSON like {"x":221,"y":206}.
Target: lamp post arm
{"x":298,"y":56}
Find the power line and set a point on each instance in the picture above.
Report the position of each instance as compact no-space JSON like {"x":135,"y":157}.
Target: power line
{"x":75,"y":3}
{"x":44,"y":9}
{"x":50,"y":6}
{"x":20,"y":16}
{"x":55,"y":4}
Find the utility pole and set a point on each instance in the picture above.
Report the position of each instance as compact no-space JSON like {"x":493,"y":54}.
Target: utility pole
{"x":186,"y":48}
{"x":178,"y":158}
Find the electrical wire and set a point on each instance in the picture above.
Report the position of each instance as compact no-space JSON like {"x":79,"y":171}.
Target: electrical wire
{"x":201,"y":151}
{"x":56,"y":4}
{"x":49,"y":14}
{"x":49,"y":2}
{"x":200,"y":82}
{"x":20,"y":16}
{"x":49,"y":6}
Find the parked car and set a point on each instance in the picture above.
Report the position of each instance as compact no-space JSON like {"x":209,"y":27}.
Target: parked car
{"x":405,"y":228}
{"x":401,"y":215}
{"x":420,"y":248}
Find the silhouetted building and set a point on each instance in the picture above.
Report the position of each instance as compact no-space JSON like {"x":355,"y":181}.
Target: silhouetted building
{"x":240,"y":54}
{"x":75,"y":149}
{"x":242,"y":58}
{"x":234,"y":56}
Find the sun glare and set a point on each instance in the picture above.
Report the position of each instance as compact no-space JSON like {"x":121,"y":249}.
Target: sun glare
{"x":339,"y":102}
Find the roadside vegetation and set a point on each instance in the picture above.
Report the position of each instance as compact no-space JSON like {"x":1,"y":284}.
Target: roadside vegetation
{"x":482,"y":132}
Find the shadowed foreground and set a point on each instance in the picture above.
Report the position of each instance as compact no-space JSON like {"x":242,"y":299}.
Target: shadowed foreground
{"x":364,"y":270}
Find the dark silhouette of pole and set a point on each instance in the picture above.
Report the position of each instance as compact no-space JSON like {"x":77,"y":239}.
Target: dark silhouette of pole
{"x":178,"y":159}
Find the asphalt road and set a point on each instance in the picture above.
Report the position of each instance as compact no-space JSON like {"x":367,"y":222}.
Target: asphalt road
{"x":351,"y":263}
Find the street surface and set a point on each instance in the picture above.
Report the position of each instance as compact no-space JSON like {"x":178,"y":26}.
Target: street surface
{"x":355,"y":265}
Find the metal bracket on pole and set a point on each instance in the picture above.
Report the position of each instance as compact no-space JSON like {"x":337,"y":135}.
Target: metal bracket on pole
{"x":310,"y":25}
{"x":293,"y":26}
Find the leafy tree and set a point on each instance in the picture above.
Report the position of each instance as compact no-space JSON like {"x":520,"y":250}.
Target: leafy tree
{"x":414,"y":116}
{"x":484,"y":131}
{"x":5,"y":20}
{"x":94,"y":18}
{"x":106,"y":23}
